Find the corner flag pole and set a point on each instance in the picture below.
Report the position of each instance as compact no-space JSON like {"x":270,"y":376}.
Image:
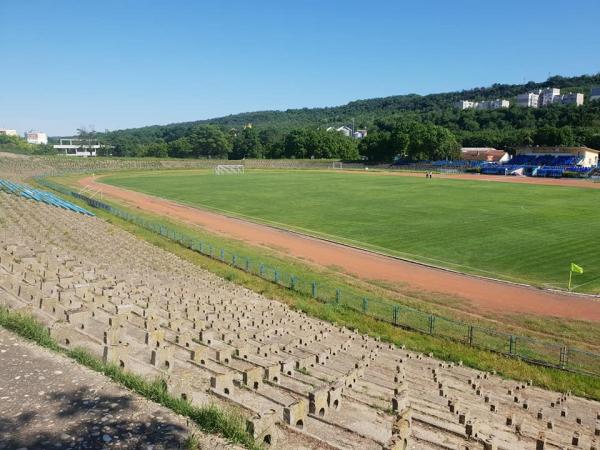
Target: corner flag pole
{"x":570,"y":277}
{"x":574,"y":268}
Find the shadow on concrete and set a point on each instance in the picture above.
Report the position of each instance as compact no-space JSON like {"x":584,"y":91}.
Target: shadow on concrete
{"x":81,"y":419}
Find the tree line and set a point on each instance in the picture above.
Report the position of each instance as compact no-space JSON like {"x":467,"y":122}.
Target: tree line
{"x":211,"y":141}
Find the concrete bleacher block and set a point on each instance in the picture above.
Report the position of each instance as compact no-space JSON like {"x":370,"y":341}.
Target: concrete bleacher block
{"x":318,"y":404}
{"x":540,"y":443}
{"x":295,"y":414}
{"x":263,"y":428}
{"x":162,"y":358}
{"x":112,"y":335}
{"x":243,"y":352}
{"x":124,"y":310}
{"x":272,"y":374}
{"x":117,"y":320}
{"x":185,"y":339}
{"x":208,"y":336}
{"x":400,"y":401}
{"x":154,"y":338}
{"x":176,"y":325}
{"x":401,"y":431}
{"x":63,"y":334}
{"x":222,"y":383}
{"x":115,"y":354}
{"x":472,"y":428}
{"x":224,"y":356}
{"x":79,"y":318}
{"x":184,"y":383}
{"x":253,"y":378}
{"x":334,"y":395}
{"x":322,"y":358}
{"x":307,"y":361}
{"x":287,"y":366}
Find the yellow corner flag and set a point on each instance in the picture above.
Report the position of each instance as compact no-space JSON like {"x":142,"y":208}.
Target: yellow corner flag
{"x":574,"y":269}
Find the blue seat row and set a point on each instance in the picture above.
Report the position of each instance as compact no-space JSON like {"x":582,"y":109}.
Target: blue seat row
{"x":40,"y":196}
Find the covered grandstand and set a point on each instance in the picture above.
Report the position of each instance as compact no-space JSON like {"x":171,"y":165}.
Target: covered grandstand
{"x":553,"y":162}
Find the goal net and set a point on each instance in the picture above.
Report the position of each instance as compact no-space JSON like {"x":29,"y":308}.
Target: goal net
{"x":337,"y":165}
{"x":229,"y":169}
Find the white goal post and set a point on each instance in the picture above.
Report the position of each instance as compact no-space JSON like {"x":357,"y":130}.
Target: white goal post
{"x":337,"y":165}
{"x":229,"y":169}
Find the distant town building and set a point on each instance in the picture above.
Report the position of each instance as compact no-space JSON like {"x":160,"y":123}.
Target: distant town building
{"x":78,"y":147}
{"x":548,"y":96}
{"x":595,"y":93}
{"x":8,"y":132}
{"x":485,"y":104}
{"x":348,"y":132}
{"x":572,"y":98}
{"x":465,"y":104}
{"x":36,"y":137}
{"x":484,"y":154}
{"x":493,"y":104}
{"x":528,"y":100}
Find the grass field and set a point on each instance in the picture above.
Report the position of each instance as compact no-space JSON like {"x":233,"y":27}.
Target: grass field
{"x":519,"y":232}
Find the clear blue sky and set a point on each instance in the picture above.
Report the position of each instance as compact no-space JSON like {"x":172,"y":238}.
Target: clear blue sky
{"x":124,"y":63}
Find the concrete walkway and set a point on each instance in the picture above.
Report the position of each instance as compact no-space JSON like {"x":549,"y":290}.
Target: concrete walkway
{"x":48,"y":401}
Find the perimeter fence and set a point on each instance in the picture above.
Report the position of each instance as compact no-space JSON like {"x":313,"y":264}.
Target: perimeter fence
{"x":536,"y":351}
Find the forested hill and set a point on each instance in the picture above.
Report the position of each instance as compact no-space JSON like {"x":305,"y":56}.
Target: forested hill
{"x":412,"y":126}
{"x":365,"y":112}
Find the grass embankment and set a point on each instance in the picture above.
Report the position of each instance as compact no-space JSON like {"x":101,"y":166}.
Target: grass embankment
{"x":517,"y":232}
{"x":210,"y":419}
{"x":583,"y":385}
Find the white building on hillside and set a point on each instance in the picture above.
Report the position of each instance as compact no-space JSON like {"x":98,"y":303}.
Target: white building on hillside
{"x":36,"y":137}
{"x":572,"y":98}
{"x":8,"y":132}
{"x":77,"y":147}
{"x":528,"y":100}
{"x":595,"y":93}
{"x":346,"y":131}
{"x":548,"y":96}
{"x":493,"y":104}
{"x":465,"y":104}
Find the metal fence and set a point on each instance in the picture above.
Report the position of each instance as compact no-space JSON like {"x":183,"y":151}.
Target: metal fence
{"x":532,"y":350}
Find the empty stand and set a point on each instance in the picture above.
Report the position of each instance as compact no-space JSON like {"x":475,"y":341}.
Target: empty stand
{"x":293,"y":377}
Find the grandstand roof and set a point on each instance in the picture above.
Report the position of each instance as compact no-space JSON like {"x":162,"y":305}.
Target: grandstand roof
{"x":488,"y":154}
{"x":556,"y":149}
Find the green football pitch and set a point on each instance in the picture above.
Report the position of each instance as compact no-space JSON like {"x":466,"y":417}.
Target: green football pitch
{"x":519,"y":232}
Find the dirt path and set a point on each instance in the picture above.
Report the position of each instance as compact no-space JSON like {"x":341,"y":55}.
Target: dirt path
{"x":49,"y":401}
{"x":483,"y":294}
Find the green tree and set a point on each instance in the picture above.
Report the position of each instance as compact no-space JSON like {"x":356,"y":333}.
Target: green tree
{"x":247,"y":144}
{"x":549,"y":135}
{"x":157,"y":150}
{"x":180,"y":148}
{"x":209,"y":141}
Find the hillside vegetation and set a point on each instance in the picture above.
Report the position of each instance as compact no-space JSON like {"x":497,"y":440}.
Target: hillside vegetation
{"x":301,"y":132}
